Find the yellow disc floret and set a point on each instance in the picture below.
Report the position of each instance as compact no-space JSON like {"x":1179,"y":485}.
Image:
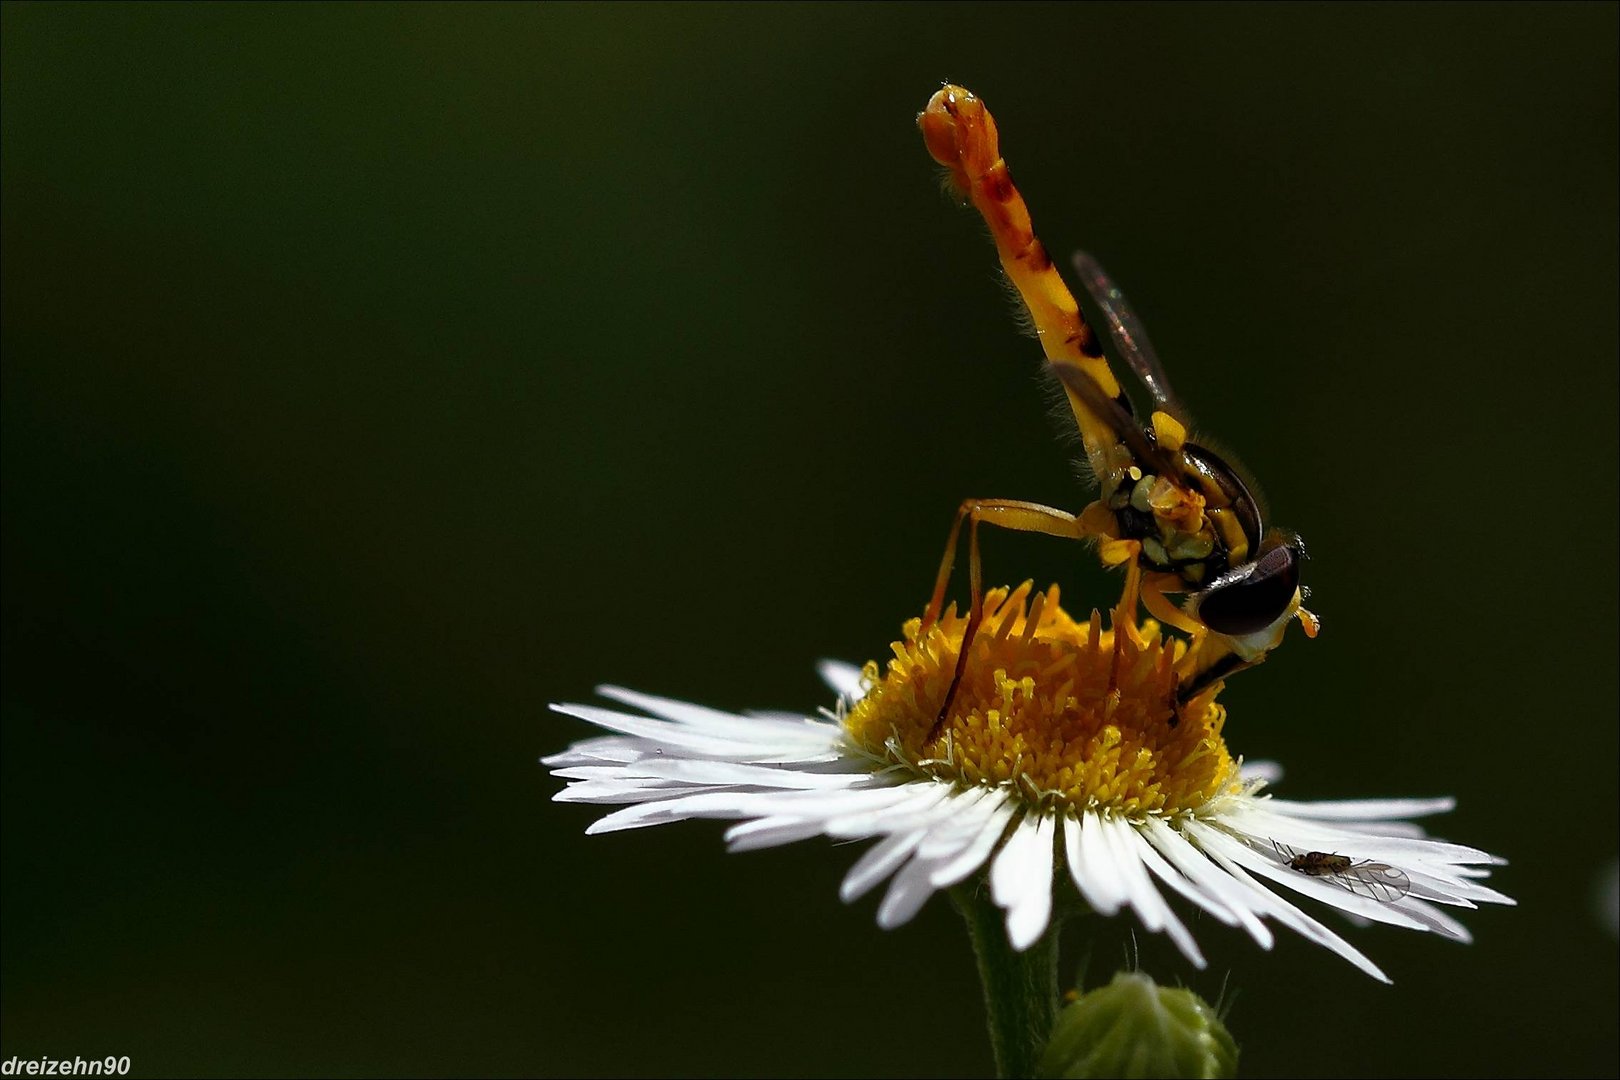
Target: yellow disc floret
{"x":1068,"y":713}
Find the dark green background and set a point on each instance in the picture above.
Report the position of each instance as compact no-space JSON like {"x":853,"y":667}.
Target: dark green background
{"x":376,"y":375}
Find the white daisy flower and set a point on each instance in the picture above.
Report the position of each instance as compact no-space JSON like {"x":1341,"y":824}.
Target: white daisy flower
{"x":1063,"y":752}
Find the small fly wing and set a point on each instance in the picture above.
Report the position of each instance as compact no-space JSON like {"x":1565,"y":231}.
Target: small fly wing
{"x":1374,"y":880}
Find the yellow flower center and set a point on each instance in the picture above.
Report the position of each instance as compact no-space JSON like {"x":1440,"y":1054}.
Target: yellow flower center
{"x":1068,"y":713}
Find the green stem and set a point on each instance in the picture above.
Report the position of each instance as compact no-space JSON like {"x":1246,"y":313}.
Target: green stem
{"x":1020,"y":988}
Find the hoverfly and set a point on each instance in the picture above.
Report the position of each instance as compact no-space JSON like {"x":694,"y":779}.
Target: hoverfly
{"x":1374,"y":880}
{"x":1178,"y":517}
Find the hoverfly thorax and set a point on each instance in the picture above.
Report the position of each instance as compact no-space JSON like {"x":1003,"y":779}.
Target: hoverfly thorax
{"x":1198,"y":522}
{"x":1192,"y":514}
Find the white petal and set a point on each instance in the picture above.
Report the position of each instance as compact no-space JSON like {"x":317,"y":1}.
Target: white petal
{"x":691,"y":771}
{"x":1296,"y":920}
{"x":1363,"y":809}
{"x":1264,"y":826}
{"x":1436,"y":920}
{"x":1213,"y":840}
{"x":802,"y":815}
{"x":613,"y":792}
{"x":1090,"y":869}
{"x":743,"y":734}
{"x":968,"y":810}
{"x":898,"y":813}
{"x":699,"y":717}
{"x":1021,"y":879}
{"x":820,"y":806}
{"x":1120,"y":858}
{"x":1269,"y":771}
{"x":999,"y":812}
{"x":778,"y":716}
{"x":1177,"y":880}
{"x":1150,"y":906}
{"x":1007,"y":871}
{"x":1409,"y":829}
{"x":662,"y":732}
{"x":908,"y":892}
{"x":630,"y":771}
{"x":951,"y":828}
{"x":769,"y":832}
{"x":844,"y":679}
{"x":662,"y":811}
{"x":1184,"y":857}
{"x":1455,"y":888}
{"x":600,"y":750}
{"x":721,"y":803}
{"x":880,"y":860}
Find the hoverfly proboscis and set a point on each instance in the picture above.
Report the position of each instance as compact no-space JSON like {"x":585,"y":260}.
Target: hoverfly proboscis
{"x":1363,"y":877}
{"x":1174,"y":513}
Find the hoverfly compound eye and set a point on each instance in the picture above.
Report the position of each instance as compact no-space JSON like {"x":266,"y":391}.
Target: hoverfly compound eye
{"x":1252,"y":597}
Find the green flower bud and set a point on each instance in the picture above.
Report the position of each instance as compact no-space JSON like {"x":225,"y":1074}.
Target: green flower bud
{"x":1135,"y":1028}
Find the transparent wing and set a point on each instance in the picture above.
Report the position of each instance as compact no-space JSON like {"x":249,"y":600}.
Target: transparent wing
{"x":1375,"y":881}
{"x":1130,"y":339}
{"x":1114,"y":417}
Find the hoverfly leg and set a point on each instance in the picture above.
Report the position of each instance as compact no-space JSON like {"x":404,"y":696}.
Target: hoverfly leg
{"x":1126,"y":553}
{"x":1193,"y":679}
{"x":936,"y":603}
{"x":1011,"y":514}
{"x":1154,"y":588}
{"x":975,"y":616}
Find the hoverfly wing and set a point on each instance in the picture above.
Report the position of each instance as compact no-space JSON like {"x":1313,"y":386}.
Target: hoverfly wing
{"x":1375,"y":881}
{"x":1126,"y":331}
{"x":1114,"y":416}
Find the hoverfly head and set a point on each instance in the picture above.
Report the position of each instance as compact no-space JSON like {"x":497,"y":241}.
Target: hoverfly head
{"x":1256,"y":599}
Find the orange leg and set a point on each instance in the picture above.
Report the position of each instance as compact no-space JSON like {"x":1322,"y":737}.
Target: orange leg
{"x":1154,"y":587}
{"x":1008,"y":514}
{"x":1209,"y":660}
